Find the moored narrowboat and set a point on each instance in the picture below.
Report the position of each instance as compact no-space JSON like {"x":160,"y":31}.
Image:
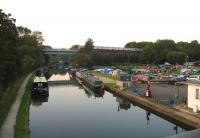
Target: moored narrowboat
{"x":40,"y":86}
{"x":92,"y":81}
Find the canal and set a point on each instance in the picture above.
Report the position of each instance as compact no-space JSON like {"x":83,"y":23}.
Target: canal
{"x":74,"y":111}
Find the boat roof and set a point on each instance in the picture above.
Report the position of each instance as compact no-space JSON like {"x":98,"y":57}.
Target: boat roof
{"x":40,"y":79}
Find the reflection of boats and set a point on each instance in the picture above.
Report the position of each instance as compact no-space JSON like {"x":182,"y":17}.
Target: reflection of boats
{"x":96,"y":93}
{"x":40,"y":86}
{"x":37,"y":100}
{"x":79,"y":81}
{"x":123,"y":103}
{"x":72,"y":72}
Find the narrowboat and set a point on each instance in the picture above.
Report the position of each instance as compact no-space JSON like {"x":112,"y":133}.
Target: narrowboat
{"x":40,"y":86}
{"x":98,"y":93}
{"x":92,"y":81}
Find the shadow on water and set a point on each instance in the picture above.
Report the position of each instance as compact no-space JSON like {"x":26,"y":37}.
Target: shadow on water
{"x":38,"y":100}
{"x":125,"y":102}
{"x":91,"y":93}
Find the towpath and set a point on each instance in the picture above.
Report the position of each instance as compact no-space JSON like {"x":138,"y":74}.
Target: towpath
{"x":7,"y":129}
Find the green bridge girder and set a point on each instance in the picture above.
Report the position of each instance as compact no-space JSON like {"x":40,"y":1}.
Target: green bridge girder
{"x":59,"y":52}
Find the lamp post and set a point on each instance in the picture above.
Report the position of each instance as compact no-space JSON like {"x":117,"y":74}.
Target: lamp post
{"x":186,"y":61}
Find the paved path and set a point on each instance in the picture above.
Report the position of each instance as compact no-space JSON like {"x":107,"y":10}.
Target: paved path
{"x":7,"y":129}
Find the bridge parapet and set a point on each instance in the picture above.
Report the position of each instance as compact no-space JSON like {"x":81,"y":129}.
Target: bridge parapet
{"x":59,"y":52}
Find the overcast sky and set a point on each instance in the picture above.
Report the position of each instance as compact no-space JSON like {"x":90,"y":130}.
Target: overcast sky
{"x":107,"y":22}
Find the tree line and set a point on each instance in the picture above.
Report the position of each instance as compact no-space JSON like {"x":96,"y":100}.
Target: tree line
{"x":20,"y":50}
{"x":157,"y":52}
{"x":167,"y":51}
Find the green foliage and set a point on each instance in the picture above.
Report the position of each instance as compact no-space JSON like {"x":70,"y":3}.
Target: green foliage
{"x":19,"y":50}
{"x":7,"y":98}
{"x":138,"y":45}
{"x":8,"y":50}
{"x":176,"y":57}
{"x":23,"y":30}
{"x":158,"y":52}
{"x":175,"y":72}
{"x":89,"y":44}
{"x":167,"y":50}
{"x":108,"y":85}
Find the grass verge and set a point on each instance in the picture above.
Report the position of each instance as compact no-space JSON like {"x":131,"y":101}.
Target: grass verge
{"x":108,"y":85}
{"x":22,"y":120}
{"x":8,"y":98}
{"x":104,"y":75}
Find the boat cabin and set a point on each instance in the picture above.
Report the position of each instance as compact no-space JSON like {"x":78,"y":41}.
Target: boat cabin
{"x":40,"y":86}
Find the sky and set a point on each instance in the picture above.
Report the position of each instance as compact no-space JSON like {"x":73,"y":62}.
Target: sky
{"x":108,"y":22}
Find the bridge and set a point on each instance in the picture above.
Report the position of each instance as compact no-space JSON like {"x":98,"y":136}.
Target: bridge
{"x":59,"y":52}
{"x":117,"y":49}
{"x":97,"y":48}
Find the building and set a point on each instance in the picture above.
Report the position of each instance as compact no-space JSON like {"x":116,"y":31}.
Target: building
{"x":193,"y":95}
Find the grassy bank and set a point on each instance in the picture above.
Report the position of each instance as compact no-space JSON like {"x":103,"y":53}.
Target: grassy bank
{"x":104,"y":75}
{"x":108,"y":85}
{"x":8,"y":97}
{"x":22,"y":120}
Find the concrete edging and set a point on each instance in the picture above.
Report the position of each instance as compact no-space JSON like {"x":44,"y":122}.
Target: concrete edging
{"x":168,"y":112}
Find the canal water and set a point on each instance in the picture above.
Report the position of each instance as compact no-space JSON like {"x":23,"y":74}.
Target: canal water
{"x":73,"y":111}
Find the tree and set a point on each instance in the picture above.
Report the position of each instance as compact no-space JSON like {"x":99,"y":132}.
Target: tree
{"x":89,"y":45}
{"x":39,"y":37}
{"x":75,"y":47}
{"x":8,"y":51}
{"x":131,"y":45}
{"x":147,"y":56}
{"x":165,"y":44}
{"x":176,"y":57}
{"x":23,"y":31}
{"x":139,"y":44}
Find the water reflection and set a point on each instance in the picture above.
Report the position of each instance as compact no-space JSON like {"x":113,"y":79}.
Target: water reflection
{"x":49,"y":72}
{"x":37,"y":100}
{"x":91,"y":93}
{"x":73,"y":110}
{"x":148,"y":116}
{"x":123,"y":103}
{"x":57,"y":77}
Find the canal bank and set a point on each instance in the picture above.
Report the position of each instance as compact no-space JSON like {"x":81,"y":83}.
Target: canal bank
{"x":7,"y":129}
{"x":191,"y":121}
{"x":171,"y":114}
{"x":8,"y":98}
{"x":22,"y":119}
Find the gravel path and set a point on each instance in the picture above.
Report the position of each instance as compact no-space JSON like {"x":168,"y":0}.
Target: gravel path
{"x":7,"y":129}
